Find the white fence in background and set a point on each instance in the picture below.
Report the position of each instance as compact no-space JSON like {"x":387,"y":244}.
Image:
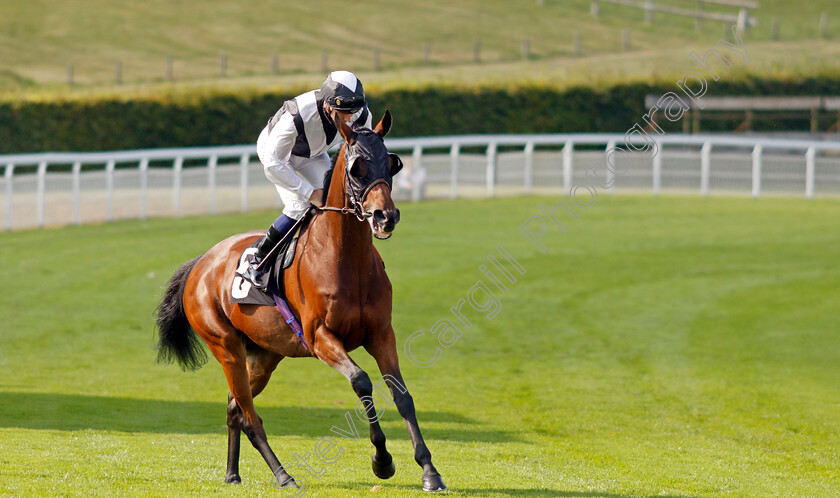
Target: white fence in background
{"x":64,"y":188}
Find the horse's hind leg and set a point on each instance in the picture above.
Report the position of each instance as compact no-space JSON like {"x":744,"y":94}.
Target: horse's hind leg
{"x":261,"y":364}
{"x":229,"y":349}
{"x":384,"y":351}
{"x":234,"y":423}
{"x":331,"y":351}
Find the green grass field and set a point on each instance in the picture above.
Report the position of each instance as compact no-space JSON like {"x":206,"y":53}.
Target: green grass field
{"x":663,"y":346}
{"x":39,"y":38}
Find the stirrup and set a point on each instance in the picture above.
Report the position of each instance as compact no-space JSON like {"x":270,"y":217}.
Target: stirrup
{"x":257,"y":278}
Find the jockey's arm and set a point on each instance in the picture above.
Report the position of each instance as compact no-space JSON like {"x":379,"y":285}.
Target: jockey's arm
{"x":278,"y":169}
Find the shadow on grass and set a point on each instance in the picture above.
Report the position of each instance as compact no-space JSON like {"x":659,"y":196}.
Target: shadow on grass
{"x":71,"y":412}
{"x":456,"y":491}
{"x":555,"y":492}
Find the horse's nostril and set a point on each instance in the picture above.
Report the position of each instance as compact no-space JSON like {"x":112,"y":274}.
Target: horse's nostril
{"x":379,"y":216}
{"x":396,"y":216}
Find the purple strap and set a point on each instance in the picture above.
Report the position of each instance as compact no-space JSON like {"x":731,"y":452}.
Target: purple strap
{"x":290,"y":319}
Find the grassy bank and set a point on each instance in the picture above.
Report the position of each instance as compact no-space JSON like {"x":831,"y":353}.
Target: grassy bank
{"x":39,"y":39}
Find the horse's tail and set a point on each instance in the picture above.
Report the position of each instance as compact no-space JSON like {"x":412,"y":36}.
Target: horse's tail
{"x":178,"y":341}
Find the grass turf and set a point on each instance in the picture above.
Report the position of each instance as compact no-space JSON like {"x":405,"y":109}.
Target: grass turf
{"x":667,"y":346}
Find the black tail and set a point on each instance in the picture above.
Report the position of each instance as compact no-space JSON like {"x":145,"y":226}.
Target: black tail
{"x":178,"y":341}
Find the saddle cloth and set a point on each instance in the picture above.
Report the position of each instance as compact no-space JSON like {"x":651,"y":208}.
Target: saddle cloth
{"x":244,"y":292}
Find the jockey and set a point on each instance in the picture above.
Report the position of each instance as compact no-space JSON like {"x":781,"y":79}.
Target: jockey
{"x":293,"y":150}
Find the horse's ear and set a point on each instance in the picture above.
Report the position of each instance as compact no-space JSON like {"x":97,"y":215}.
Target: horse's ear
{"x":345,"y":130}
{"x":384,"y":126}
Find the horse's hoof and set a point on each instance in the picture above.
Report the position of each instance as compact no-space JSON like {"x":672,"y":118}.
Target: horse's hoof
{"x":234,"y":479}
{"x":383,"y":471}
{"x":433,"y":483}
{"x":288,"y":483}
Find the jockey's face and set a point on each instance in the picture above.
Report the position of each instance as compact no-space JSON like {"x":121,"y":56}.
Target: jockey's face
{"x":335,"y":114}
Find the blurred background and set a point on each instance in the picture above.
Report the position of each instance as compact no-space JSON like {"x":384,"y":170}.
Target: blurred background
{"x":105,"y":76}
{"x":597,"y":59}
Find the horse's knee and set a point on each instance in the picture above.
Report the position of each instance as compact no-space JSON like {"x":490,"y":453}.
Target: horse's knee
{"x":405,"y":404}
{"x":422,"y":454}
{"x":361,"y":384}
{"x":237,"y":420}
{"x":254,"y":431}
{"x":234,"y":415}
{"x":377,"y":438}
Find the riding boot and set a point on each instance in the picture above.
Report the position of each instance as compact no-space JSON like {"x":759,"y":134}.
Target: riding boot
{"x":273,"y":235}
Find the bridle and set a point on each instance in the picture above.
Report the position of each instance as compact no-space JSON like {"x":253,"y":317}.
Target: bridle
{"x":357,"y":208}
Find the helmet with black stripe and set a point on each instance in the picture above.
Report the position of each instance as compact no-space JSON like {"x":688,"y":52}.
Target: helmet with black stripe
{"x":343,"y":91}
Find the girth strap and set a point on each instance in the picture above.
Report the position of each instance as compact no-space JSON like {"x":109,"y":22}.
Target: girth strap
{"x":290,"y":319}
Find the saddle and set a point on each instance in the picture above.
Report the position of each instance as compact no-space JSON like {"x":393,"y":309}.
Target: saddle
{"x":280,"y":258}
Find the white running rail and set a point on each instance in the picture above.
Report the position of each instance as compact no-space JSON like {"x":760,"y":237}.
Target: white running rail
{"x":61,"y":188}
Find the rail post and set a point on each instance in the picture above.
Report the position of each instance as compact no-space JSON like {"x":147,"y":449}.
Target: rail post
{"x":568,"y":160}
{"x":77,"y":187}
{"x":9,"y":176}
{"x":705,"y":168}
{"x":609,"y":174}
{"x":529,"y":168}
{"x":176,"y":190}
{"x":657,"y":172}
{"x":110,"y":166}
{"x":144,"y":187}
{"x":42,"y":198}
{"x":491,"y":169}
{"x":454,"y":154}
{"x":756,"y":171}
{"x":211,"y":182}
{"x":810,"y":160}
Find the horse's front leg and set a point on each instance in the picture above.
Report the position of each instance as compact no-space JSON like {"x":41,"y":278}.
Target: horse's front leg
{"x":330,"y":350}
{"x":383,"y":349}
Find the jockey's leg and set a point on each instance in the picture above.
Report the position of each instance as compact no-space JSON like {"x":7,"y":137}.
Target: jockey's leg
{"x":272,"y":237}
{"x":312,"y":169}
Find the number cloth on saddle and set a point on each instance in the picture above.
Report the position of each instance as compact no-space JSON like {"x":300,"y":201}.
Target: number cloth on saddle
{"x":278,"y":259}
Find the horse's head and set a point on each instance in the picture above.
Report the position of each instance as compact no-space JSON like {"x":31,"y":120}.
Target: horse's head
{"x":369,"y":172}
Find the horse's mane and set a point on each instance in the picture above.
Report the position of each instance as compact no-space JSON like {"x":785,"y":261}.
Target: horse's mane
{"x":328,"y":176}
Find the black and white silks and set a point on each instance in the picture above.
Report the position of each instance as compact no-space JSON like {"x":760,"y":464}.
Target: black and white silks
{"x":300,"y":129}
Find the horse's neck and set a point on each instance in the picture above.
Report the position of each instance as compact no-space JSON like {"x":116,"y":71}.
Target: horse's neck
{"x":336,"y":196}
{"x":352,"y":237}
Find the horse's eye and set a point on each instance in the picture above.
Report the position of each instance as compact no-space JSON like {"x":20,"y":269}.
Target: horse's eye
{"x":358,"y":169}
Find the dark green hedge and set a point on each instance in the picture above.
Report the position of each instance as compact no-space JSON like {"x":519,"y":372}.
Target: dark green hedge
{"x":238,"y":118}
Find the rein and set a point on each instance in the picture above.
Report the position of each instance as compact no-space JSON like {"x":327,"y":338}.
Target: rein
{"x":356,"y":210}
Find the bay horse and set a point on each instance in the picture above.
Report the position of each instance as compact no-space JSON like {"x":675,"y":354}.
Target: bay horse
{"x":338,"y":290}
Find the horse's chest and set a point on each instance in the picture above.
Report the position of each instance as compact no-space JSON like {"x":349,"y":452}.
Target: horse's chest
{"x":358,"y":313}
